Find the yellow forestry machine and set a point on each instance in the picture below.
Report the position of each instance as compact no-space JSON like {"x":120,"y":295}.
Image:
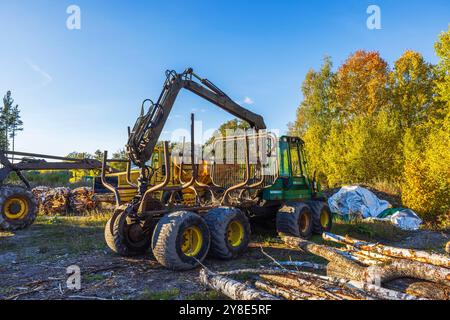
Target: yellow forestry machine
{"x":184,"y":211}
{"x":250,"y":175}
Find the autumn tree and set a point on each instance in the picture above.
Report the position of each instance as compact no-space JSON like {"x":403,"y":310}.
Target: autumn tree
{"x":362,"y":83}
{"x":314,"y":115}
{"x":442,"y":48}
{"x":426,"y":186}
{"x":363,"y":144}
{"x":411,"y":89}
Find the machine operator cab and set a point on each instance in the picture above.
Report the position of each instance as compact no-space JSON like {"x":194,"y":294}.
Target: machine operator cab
{"x":294,"y":181}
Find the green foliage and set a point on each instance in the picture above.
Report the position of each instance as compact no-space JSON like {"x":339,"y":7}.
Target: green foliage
{"x":119,"y":155}
{"x":227,"y":128}
{"x":442,"y":48}
{"x":80,"y":175}
{"x":169,"y":294}
{"x":426,"y":147}
{"x":367,"y":123}
{"x":10,"y":121}
{"x":46,"y":178}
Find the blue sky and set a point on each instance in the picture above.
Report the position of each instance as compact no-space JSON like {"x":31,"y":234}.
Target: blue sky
{"x":80,"y":89}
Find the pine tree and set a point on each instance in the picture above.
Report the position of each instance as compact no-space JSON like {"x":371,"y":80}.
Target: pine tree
{"x":10,"y":122}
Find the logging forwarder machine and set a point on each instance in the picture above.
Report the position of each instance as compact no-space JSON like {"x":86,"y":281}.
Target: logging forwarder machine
{"x":252,"y":175}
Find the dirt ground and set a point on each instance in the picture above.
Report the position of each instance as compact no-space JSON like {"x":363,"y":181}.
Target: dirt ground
{"x":33,"y":262}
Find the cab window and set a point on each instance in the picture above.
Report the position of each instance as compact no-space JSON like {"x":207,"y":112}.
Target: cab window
{"x":295,"y":160}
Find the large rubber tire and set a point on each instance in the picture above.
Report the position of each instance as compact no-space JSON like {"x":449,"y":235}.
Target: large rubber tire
{"x":221,"y":221}
{"x":322,"y":218}
{"x":109,"y":238}
{"x":125,"y":243}
{"x":168,"y":238}
{"x":295,"y":219}
{"x":17,"y":198}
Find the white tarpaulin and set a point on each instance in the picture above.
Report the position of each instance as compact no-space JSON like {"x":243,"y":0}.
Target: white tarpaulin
{"x":352,"y":200}
{"x":405,"y":219}
{"x":355,"y":200}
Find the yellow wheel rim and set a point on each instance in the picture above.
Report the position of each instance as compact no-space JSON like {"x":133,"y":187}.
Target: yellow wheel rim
{"x":192,"y":241}
{"x":15,"y":208}
{"x":235,"y":233}
{"x":324,"y":219}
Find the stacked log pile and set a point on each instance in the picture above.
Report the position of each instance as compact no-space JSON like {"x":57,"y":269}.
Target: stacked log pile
{"x":38,"y":193}
{"x":61,"y":200}
{"x":357,"y":271}
{"x":56,"y":201}
{"x":82,"y":200}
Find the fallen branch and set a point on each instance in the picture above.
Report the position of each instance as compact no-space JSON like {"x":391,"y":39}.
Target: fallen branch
{"x":253,"y":271}
{"x":303,"y":264}
{"x":416,"y":255}
{"x":232,"y":288}
{"x":17,"y":295}
{"x":87,"y":297}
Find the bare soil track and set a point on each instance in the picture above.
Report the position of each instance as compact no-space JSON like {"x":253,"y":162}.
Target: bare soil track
{"x":33,"y":262}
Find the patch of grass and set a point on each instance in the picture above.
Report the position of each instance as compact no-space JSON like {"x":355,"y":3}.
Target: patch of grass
{"x":93,"y":277}
{"x":55,"y":236}
{"x":207,"y":295}
{"x":266,"y":239}
{"x":169,"y":294}
{"x":369,"y":230}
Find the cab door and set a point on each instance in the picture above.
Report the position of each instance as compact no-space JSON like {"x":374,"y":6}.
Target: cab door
{"x":298,"y":187}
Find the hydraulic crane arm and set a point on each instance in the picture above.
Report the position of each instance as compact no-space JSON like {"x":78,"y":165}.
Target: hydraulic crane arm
{"x":148,"y":127}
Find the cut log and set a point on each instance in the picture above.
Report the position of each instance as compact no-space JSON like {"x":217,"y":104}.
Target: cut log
{"x":429,"y":290}
{"x":284,"y":292}
{"x":369,"y":291}
{"x":358,"y":258}
{"x":56,"y":201}
{"x":416,"y":255}
{"x":82,"y":200}
{"x":38,"y":193}
{"x":293,"y":282}
{"x":348,"y":269}
{"x":352,"y":269}
{"x":232,"y":288}
{"x":366,"y":290}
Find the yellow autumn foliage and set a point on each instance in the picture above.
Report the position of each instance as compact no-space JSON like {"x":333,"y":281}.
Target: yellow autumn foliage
{"x":366,"y":123}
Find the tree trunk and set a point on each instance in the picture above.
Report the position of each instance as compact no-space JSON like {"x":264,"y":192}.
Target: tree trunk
{"x":417,"y":255}
{"x":359,"y":288}
{"x":348,"y":269}
{"x":232,"y":288}
{"x":429,"y":290}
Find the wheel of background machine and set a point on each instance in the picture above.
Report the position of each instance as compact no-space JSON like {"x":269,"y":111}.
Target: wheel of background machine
{"x":295,"y":219}
{"x":322,"y":218}
{"x":18,"y":208}
{"x":181,"y":240}
{"x":230,"y":232}
{"x":129,"y":236}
